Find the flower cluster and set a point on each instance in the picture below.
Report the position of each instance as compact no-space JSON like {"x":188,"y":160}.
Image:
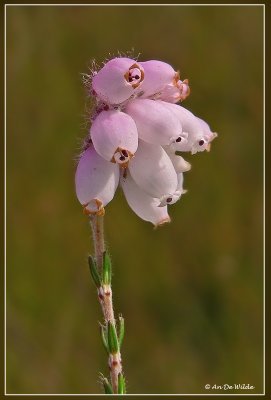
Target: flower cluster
{"x":136,"y":130}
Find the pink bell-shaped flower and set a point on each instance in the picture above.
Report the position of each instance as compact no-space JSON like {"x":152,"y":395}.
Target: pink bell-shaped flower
{"x":157,"y":74}
{"x":153,"y":171}
{"x":137,"y":128}
{"x":96,"y":181}
{"x":114,"y":136}
{"x":145,"y":206}
{"x":155,"y":123}
{"x":117,"y":80}
{"x":198,"y":135}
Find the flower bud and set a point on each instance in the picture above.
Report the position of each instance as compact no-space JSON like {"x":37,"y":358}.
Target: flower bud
{"x":96,"y":181}
{"x":117,"y":80}
{"x":145,"y":206}
{"x":114,"y":136}
{"x":155,"y":123}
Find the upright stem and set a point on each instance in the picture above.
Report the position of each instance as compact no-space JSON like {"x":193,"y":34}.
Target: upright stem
{"x":105,"y":298}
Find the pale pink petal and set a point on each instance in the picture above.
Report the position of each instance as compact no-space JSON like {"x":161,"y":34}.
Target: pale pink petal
{"x":206,"y":129}
{"x":176,"y":195}
{"x":114,"y":136}
{"x":153,"y":171}
{"x":117,"y":80}
{"x":179,"y":163}
{"x":157,"y":75}
{"x":184,"y":89}
{"x":205,"y":142}
{"x":197,"y":138}
{"x":96,"y":181}
{"x":176,"y":91}
{"x":170,"y":93}
{"x":180,"y":183}
{"x":142,"y":204}
{"x":155,"y":123}
{"x":173,"y":198}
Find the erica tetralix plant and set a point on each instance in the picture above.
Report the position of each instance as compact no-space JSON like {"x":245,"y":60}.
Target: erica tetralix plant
{"x":136,"y":130}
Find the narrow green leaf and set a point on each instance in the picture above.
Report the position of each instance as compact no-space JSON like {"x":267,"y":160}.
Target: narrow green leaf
{"x":112,"y":338}
{"x":104,"y":337}
{"x":94,"y":272}
{"x":107,"y":269}
{"x":121,"y":330}
{"x":107,"y":387}
{"x":121,"y":384}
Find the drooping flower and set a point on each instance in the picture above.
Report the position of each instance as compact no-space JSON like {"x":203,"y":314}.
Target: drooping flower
{"x":96,"y":181}
{"x":153,"y":171}
{"x":163,"y":82}
{"x":155,"y":124}
{"x":117,"y":80}
{"x":136,"y":129}
{"x":145,"y":206}
{"x":157,"y":75}
{"x":174,"y":92}
{"x":198,"y":132}
{"x":114,"y":136}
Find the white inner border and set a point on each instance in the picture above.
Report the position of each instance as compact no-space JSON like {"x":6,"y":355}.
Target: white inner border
{"x":5,"y":91}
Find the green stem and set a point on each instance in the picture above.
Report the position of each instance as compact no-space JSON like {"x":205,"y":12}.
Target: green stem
{"x":105,"y":299}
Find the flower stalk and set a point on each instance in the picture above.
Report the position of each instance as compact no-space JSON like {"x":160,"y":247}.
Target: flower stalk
{"x":137,"y":132}
{"x":112,"y":338}
{"x":97,"y":226}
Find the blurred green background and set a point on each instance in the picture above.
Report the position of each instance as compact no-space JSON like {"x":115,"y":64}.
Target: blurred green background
{"x":192,"y":291}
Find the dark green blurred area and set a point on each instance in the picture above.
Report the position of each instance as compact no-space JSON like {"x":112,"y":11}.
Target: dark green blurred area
{"x":192,"y":291}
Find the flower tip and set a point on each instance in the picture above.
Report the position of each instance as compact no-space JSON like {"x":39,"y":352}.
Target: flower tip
{"x":214,"y":135}
{"x":94,"y":207}
{"x":187,"y":166}
{"x":86,"y":211}
{"x":162,"y":222}
{"x":176,"y":78}
{"x":135,"y":75}
{"x":101,"y":212}
{"x":122,"y":157}
{"x":184,"y":90}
